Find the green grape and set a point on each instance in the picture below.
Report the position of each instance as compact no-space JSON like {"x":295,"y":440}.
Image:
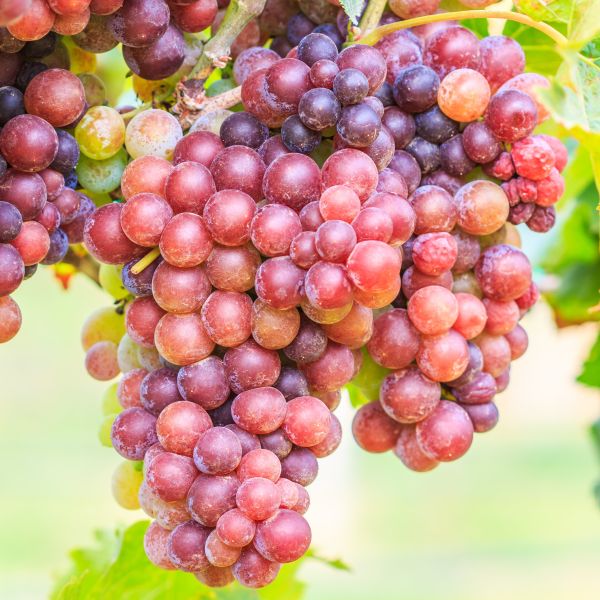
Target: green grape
{"x":126,"y":481}
{"x":101,"y":176}
{"x":211,"y":121}
{"x":105,"y":429}
{"x":104,"y":324}
{"x":149,"y":358}
{"x":110,"y":400}
{"x":95,"y":91}
{"x":98,"y":199}
{"x":370,"y":376}
{"x":100,"y":133}
{"x":110,"y":280}
{"x":153,"y":132}
{"x":127,"y":355}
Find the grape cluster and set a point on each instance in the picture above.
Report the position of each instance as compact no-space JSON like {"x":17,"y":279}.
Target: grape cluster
{"x":152,"y":32}
{"x":40,"y":211}
{"x":226,"y":390}
{"x":333,"y":231}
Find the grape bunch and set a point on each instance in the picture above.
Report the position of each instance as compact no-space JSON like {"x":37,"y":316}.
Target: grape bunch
{"x":40,"y":211}
{"x":211,"y":398}
{"x":355,"y":223}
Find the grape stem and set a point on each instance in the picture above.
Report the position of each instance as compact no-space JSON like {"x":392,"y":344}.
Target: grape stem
{"x":200,"y":104}
{"x":84,"y":264}
{"x":374,"y":36}
{"x":372,"y":16}
{"x":191,"y":97}
{"x":146,"y":261}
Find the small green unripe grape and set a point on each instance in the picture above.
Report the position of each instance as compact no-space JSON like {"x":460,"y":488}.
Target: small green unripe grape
{"x":104,"y":324}
{"x":127,"y":355}
{"x":104,"y":430}
{"x":153,"y":132}
{"x":101,"y":176}
{"x":126,"y":481}
{"x":211,"y":121}
{"x":97,"y":199}
{"x":149,"y":358}
{"x":95,"y":90}
{"x":110,"y":400}
{"x":100,"y":133}
{"x":110,"y":280}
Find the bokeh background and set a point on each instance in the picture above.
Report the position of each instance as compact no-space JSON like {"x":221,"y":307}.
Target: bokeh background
{"x":514,"y":519}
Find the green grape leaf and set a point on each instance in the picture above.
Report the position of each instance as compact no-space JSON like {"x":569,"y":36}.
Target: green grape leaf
{"x":578,"y":175}
{"x":584,"y":24}
{"x":577,"y":240}
{"x":117,"y":567}
{"x":574,"y":103}
{"x":544,"y":10}
{"x":590,"y":375}
{"x":582,"y":17}
{"x":541,"y":55}
{"x":365,"y":386}
{"x":595,"y":426}
{"x":352,"y":8}
{"x":577,"y":292}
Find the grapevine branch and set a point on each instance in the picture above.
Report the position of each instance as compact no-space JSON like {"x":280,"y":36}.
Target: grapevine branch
{"x":191,"y":96}
{"x":372,"y":15}
{"x":375,"y":35}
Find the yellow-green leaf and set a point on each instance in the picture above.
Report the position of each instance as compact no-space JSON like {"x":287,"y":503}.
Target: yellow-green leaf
{"x":353,"y":8}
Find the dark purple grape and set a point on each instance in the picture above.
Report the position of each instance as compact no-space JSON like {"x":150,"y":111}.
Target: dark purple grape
{"x":59,"y":245}
{"x":404,"y":163}
{"x":10,"y":222}
{"x":316,"y":46}
{"x":12,"y":269}
{"x":67,"y":155}
{"x":425,"y":153}
{"x":243,"y":129}
{"x":386,"y":94}
{"x":11,"y":104}
{"x":159,"y":60}
{"x":483,"y":416}
{"x":415,"y":88}
{"x":332,"y":32}
{"x":42,"y":47}
{"x":434,"y":126}
{"x":27,"y":72}
{"x":281,"y":46}
{"x":400,"y":124}
{"x":358,"y":125}
{"x":454,"y":159}
{"x":298,"y":27}
{"x":319,"y":108}
{"x":480,"y":144}
{"x":139,"y":23}
{"x":139,"y":284}
{"x":444,"y":180}
{"x":297,"y":137}
{"x":291,"y":383}
{"x":350,"y":86}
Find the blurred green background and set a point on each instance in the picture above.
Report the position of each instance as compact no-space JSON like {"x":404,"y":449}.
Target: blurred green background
{"x":514,"y":519}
